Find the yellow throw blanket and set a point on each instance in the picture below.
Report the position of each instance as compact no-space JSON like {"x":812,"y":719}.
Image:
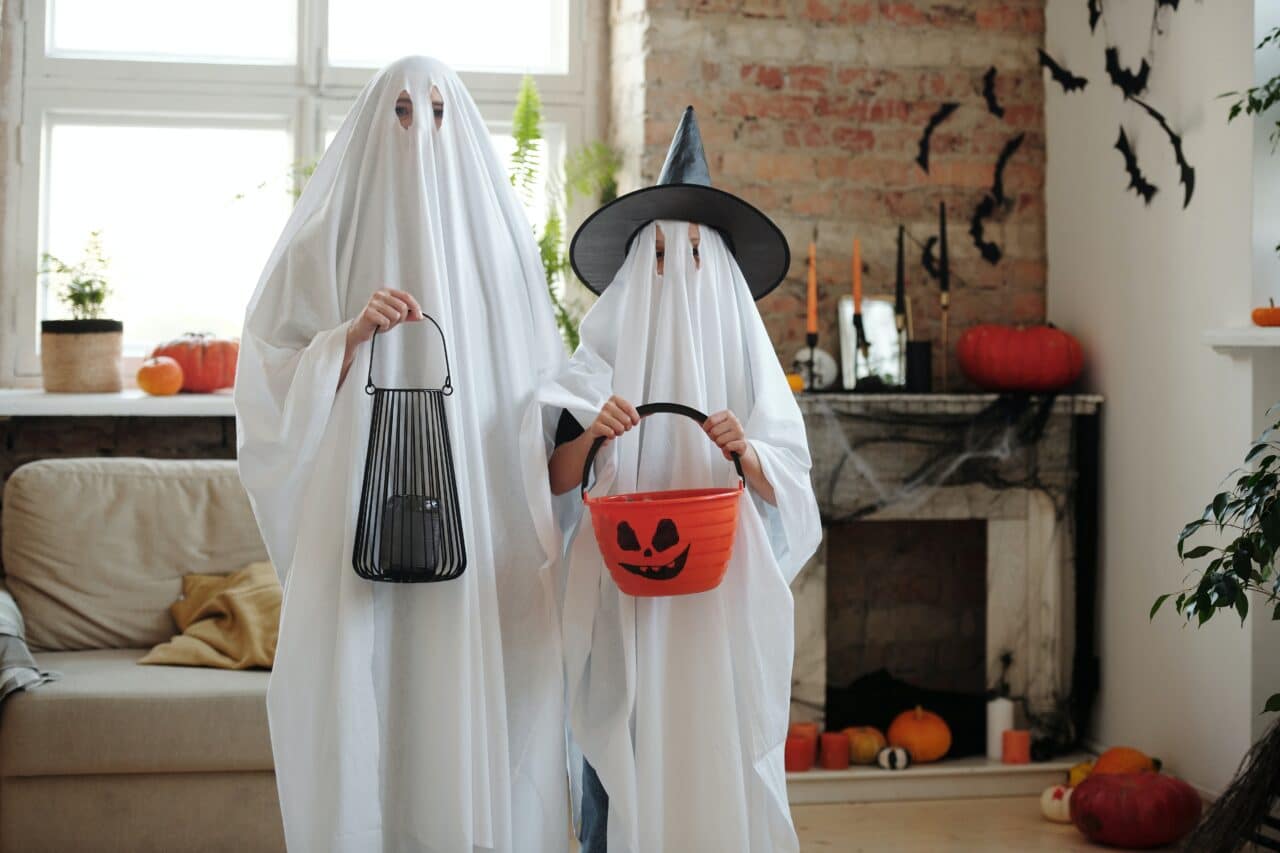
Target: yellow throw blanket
{"x":227,"y":621}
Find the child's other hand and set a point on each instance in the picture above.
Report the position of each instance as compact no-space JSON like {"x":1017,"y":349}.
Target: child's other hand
{"x":387,"y":308}
{"x":614,"y":419}
{"x":724,"y":429}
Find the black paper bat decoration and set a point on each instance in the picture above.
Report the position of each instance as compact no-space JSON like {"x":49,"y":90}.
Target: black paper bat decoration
{"x":1172,"y":4}
{"x":927,"y":259}
{"x":1006,"y":153}
{"x":1095,"y":12}
{"x":934,"y":120}
{"x":989,"y":93}
{"x":1137,"y":181}
{"x":1187,"y":174}
{"x":990,"y":251}
{"x":1127,"y":81}
{"x":1062,"y":76}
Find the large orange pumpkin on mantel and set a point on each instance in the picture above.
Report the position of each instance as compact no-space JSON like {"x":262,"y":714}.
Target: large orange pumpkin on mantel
{"x":1006,"y":358}
{"x":208,"y":363}
{"x":922,"y":733}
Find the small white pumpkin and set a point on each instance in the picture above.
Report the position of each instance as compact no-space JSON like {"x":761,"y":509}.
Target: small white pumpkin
{"x":1055,"y":803}
{"x":894,"y":758}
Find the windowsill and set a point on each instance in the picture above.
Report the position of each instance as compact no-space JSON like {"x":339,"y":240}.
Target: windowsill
{"x":35,"y":402}
{"x":1242,"y":337}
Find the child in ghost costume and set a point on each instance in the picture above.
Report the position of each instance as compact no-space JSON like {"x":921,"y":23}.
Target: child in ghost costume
{"x":405,"y":717}
{"x":677,"y":706}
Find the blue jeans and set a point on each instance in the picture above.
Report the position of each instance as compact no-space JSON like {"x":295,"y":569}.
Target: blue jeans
{"x":594,"y":834}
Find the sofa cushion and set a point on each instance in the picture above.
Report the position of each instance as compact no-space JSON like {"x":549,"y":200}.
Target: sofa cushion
{"x":94,"y":550}
{"x":107,"y":714}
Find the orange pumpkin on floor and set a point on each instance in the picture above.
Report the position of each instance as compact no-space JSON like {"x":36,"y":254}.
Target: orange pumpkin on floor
{"x":922,"y":733}
{"x":1125,"y":759}
{"x":160,"y":376}
{"x":865,"y":743}
{"x":208,"y":363}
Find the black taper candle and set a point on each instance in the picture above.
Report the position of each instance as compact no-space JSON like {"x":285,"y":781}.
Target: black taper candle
{"x":899,"y":292}
{"x":944,"y":269}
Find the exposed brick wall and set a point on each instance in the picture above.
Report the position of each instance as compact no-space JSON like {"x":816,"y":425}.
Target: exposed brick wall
{"x":812,"y":109}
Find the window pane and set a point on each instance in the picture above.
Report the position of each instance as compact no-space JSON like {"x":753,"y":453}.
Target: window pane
{"x":188,"y":217}
{"x":227,"y":31}
{"x":477,"y":35}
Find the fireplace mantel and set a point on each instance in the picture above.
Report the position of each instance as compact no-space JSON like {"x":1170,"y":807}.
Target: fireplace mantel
{"x":1026,"y":466}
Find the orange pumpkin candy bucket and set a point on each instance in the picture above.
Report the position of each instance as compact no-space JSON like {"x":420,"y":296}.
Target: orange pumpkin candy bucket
{"x":673,"y":542}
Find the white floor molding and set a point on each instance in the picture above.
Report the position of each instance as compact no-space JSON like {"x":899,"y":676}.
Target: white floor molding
{"x":959,"y":778}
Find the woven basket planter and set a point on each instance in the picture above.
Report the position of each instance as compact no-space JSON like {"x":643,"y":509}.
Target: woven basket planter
{"x":81,"y":356}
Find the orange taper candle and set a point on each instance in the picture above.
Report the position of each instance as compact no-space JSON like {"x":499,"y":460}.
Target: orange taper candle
{"x":812,"y":327}
{"x":857,"y":276}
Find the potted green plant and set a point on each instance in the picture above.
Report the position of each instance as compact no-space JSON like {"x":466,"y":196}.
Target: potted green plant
{"x":590,"y":171}
{"x":82,"y":354}
{"x":1239,"y":561}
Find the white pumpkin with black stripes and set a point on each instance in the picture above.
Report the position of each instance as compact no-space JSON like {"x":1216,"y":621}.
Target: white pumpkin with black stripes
{"x":894,"y":758}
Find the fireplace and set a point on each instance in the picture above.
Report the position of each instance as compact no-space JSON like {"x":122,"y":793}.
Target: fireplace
{"x":957,"y":530}
{"x":908,"y":597}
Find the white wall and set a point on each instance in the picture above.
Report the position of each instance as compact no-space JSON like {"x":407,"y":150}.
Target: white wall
{"x":1138,"y":285}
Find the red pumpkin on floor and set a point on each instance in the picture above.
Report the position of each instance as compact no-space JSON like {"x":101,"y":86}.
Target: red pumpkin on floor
{"x":208,"y":363}
{"x":922,"y":733}
{"x":1004,"y":358}
{"x":1134,"y":811}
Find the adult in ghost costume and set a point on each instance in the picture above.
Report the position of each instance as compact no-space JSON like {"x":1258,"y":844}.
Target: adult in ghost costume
{"x":680,"y":704}
{"x":405,"y":717}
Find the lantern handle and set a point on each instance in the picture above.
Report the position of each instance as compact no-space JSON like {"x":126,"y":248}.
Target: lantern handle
{"x":654,"y":409}
{"x":446,"y":388}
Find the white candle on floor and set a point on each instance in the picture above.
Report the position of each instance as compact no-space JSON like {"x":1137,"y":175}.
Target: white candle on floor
{"x":999,"y":718}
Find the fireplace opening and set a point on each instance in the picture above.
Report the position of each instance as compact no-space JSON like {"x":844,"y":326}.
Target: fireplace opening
{"x":906,"y":624}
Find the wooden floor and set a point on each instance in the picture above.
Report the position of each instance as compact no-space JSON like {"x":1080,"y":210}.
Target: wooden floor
{"x":989,"y":825}
{"x":997,"y":825}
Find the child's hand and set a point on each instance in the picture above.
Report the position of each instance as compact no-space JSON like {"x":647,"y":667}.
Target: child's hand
{"x":614,"y":419}
{"x":724,"y":429}
{"x":387,"y":308}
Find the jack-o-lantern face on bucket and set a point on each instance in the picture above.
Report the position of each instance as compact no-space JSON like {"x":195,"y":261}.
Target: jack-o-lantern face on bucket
{"x":664,"y":557}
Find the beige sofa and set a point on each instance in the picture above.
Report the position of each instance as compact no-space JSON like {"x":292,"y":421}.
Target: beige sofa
{"x":114,"y":756}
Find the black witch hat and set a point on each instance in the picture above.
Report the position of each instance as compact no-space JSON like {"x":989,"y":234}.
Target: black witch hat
{"x":683,"y":193}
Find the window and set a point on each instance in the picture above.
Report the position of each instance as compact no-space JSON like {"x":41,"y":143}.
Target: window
{"x":178,"y":139}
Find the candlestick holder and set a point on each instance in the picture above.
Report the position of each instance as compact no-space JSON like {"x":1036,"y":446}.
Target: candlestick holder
{"x":945,"y":301}
{"x":811,"y":339}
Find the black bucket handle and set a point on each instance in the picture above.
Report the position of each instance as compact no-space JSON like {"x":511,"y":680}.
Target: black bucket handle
{"x":654,"y":409}
{"x":446,"y":389}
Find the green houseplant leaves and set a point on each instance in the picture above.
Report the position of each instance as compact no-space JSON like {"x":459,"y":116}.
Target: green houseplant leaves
{"x":1244,"y":525}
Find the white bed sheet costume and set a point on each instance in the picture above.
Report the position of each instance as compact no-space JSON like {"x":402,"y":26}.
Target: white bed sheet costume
{"x":681,"y":704}
{"x":406,"y":717}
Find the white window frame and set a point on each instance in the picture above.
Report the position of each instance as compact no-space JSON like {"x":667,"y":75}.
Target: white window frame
{"x":301,"y":97}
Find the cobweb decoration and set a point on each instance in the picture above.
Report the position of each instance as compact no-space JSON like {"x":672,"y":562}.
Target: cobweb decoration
{"x":996,"y":447}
